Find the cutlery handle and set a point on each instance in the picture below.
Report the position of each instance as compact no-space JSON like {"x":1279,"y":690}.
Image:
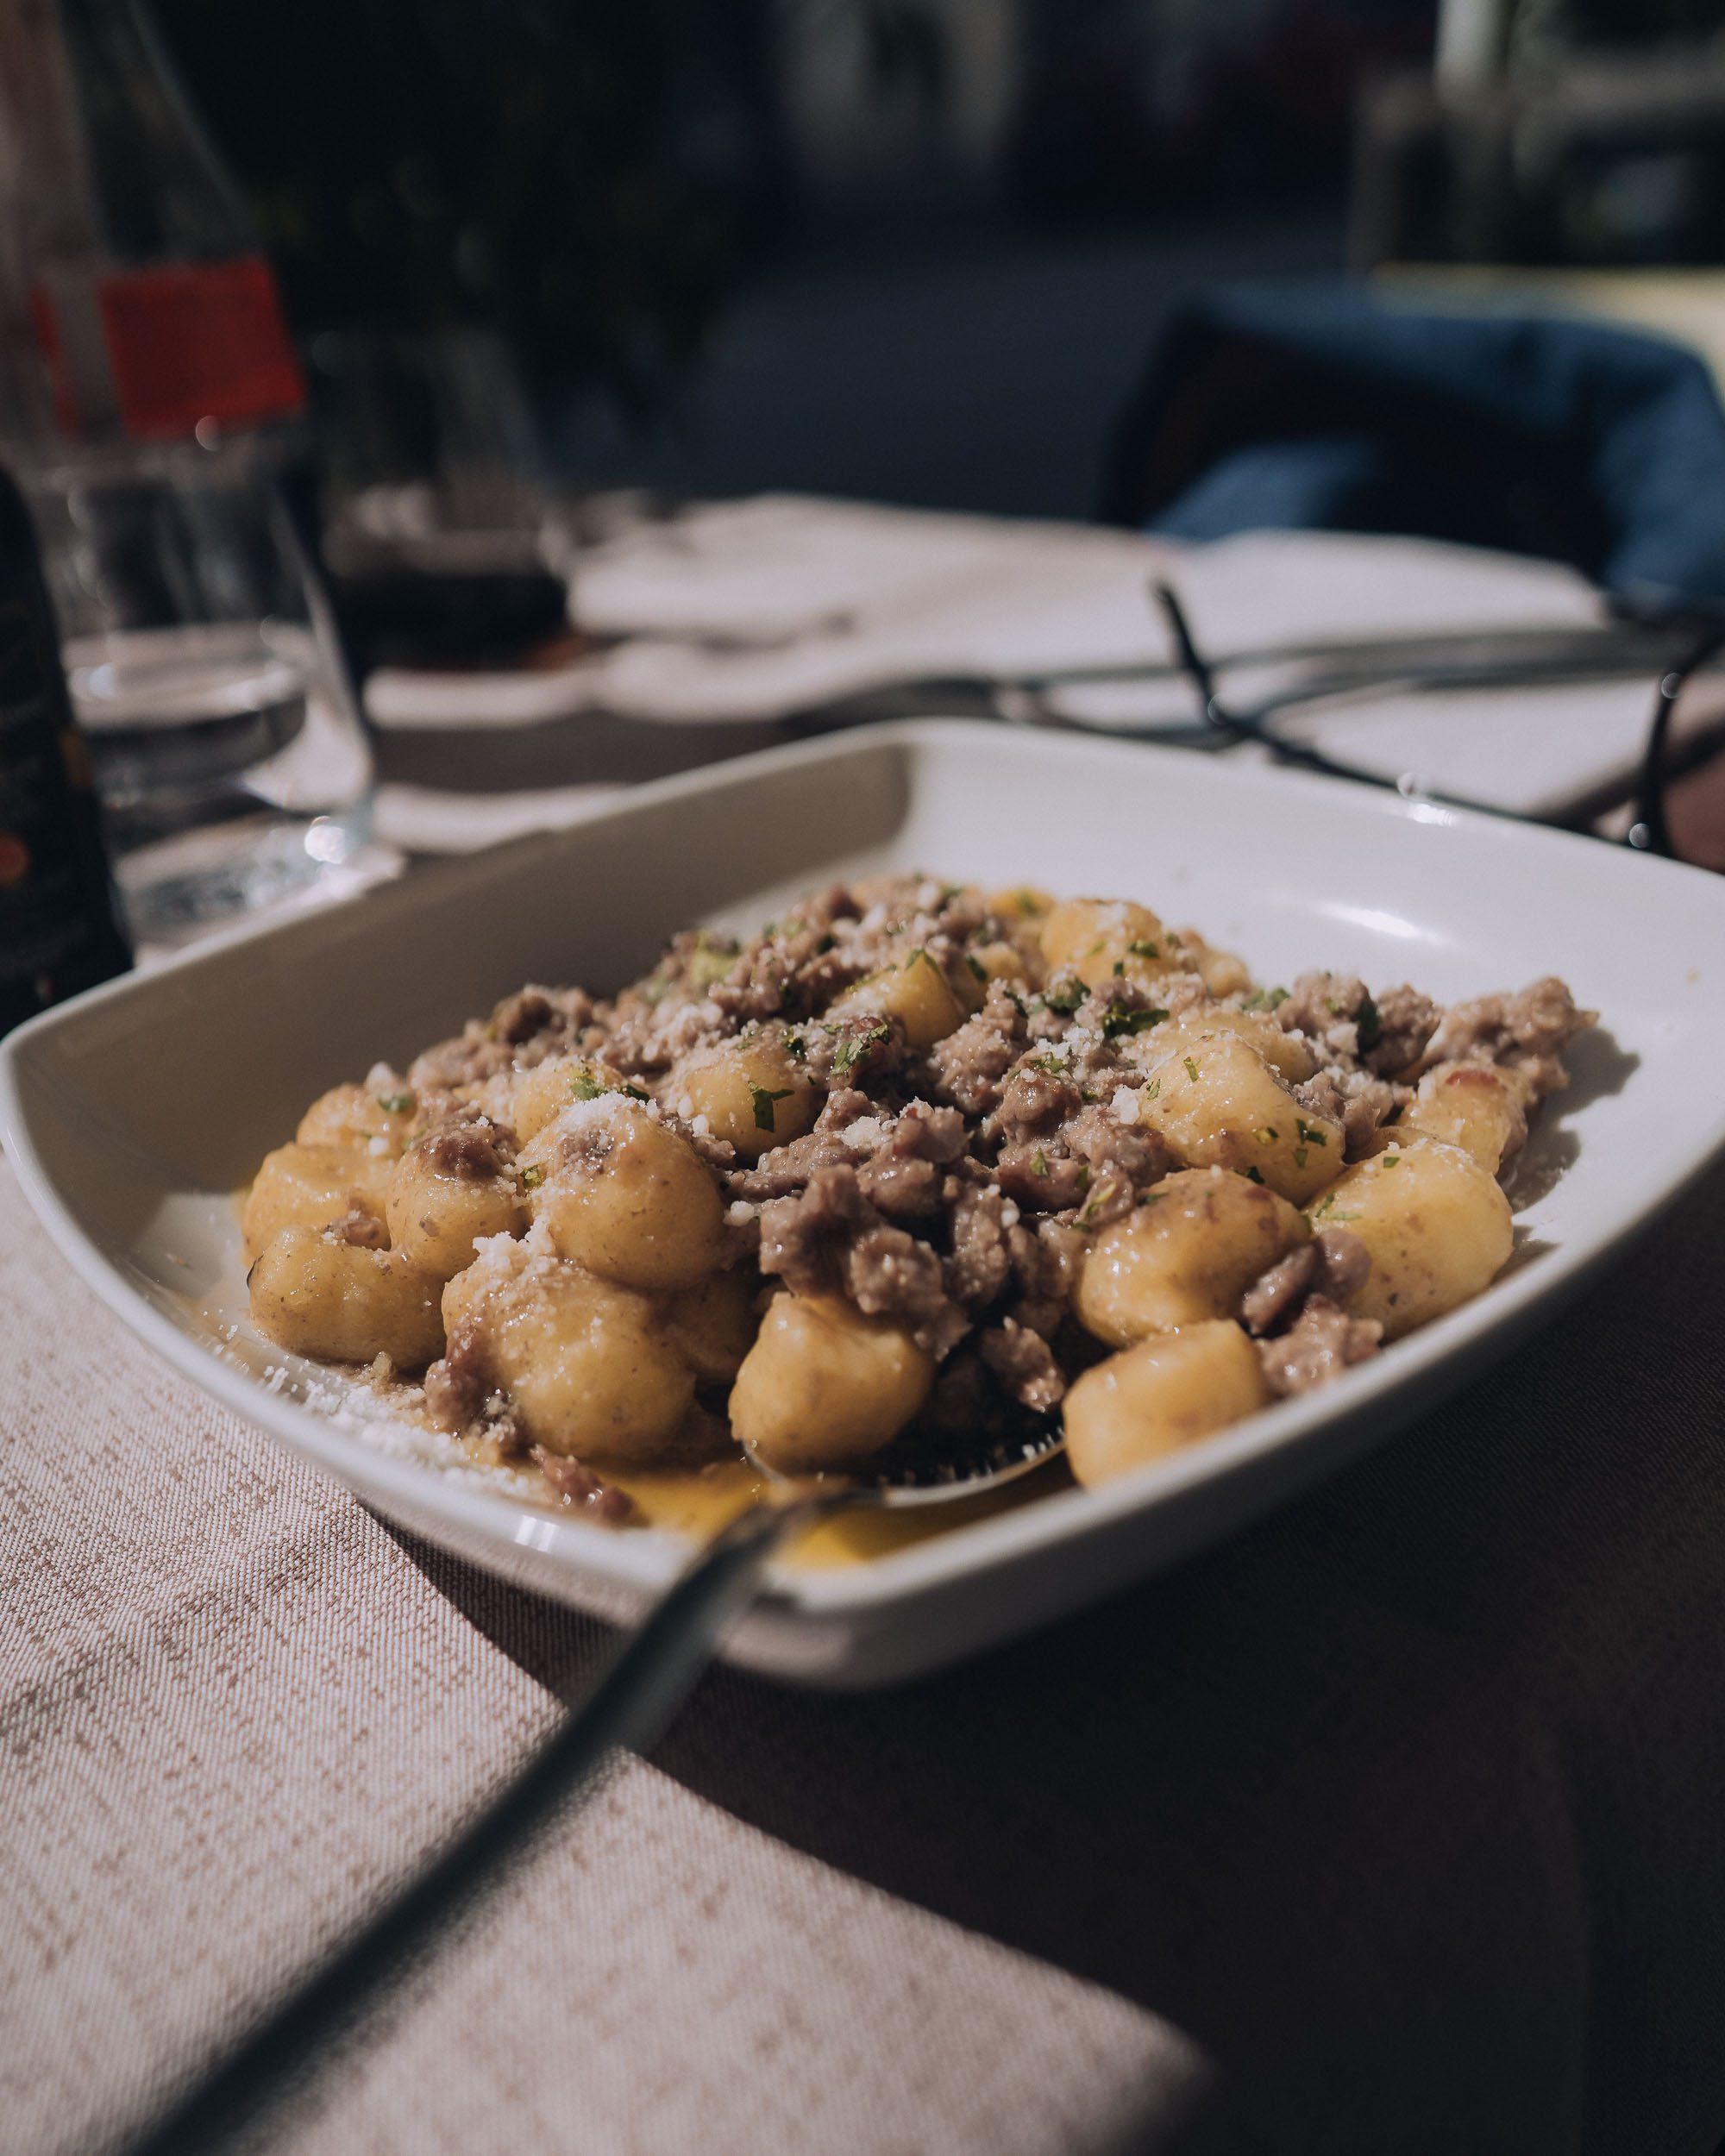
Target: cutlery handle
{"x":281,"y":2058}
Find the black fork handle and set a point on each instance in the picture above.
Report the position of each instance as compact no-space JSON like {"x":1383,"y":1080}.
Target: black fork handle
{"x":280,"y":2060}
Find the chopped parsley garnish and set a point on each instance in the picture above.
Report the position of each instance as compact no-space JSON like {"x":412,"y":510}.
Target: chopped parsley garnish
{"x":1066,"y":998}
{"x":585,"y":1087}
{"x":1191,"y":1069}
{"x":1119,"y":966}
{"x":1265,"y":999}
{"x":1326,"y":1210}
{"x":1392,"y":1160}
{"x":1267,"y":1134}
{"x":1370,"y":1022}
{"x":848,"y":1054}
{"x":1250,"y":1174}
{"x":395,"y":1103}
{"x":920,"y":955}
{"x":1118,"y":1019}
{"x":1092,"y":1205}
{"x":711,"y":958}
{"x":1308,"y":1134}
{"x":1038,"y":1162}
{"x":1301,"y":1156}
{"x":763,"y":1098}
{"x":1053,"y":1065}
{"x":797,"y":1046}
{"x":1150,"y":1198}
{"x":531,"y":1178}
{"x":1153,"y":1090}
{"x":1142,"y":950}
{"x":976,"y":966}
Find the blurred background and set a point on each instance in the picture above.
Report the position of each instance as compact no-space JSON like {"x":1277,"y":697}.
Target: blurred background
{"x":365,"y":366}
{"x":918,"y":249}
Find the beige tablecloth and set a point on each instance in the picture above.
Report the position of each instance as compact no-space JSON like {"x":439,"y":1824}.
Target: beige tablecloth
{"x":1394,"y":1826}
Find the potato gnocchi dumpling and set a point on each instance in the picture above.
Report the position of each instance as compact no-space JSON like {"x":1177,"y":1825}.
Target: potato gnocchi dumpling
{"x":916,"y":991}
{"x":825,"y":1386}
{"x":1187,"y":1251}
{"x":714,"y":1324}
{"x":751,"y":1093}
{"x":1104,"y":939}
{"x":1434,"y":1224}
{"x":921,"y":1169}
{"x":539,"y":1096}
{"x":1152,"y":1399}
{"x":1475,"y":1106}
{"x":377,"y":1116}
{"x":1220,"y":971}
{"x":454,"y":1186}
{"x":589,"y":1368}
{"x":1287,"y":1054}
{"x":311,"y":1186}
{"x":320,"y":1296}
{"x":1219,"y":1104}
{"x":620,"y":1192}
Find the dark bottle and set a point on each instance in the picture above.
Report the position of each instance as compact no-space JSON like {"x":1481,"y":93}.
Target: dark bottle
{"x":59,"y":929}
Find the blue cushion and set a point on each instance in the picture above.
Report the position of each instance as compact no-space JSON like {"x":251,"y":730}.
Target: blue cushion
{"x":1320,"y":407}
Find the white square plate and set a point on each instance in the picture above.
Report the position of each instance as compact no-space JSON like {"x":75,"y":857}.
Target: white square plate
{"x":134,"y":1113}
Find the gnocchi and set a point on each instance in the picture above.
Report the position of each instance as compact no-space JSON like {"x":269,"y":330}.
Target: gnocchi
{"x":540,"y":1095}
{"x":311,"y":1186}
{"x":453,"y":1186}
{"x":1219,"y":1104}
{"x":823,"y":1385}
{"x":751,"y":1093}
{"x":622,"y":1194}
{"x":1474,"y":1106}
{"x":377,"y":1116}
{"x":1187,"y":1251}
{"x":1152,"y":1399}
{"x":920,"y":1162}
{"x":1287,"y":1054}
{"x":915,"y":991}
{"x":1099,"y":939}
{"x":714,"y":1325}
{"x":588,"y":1367}
{"x":320,"y":1296}
{"x":1434,"y":1224}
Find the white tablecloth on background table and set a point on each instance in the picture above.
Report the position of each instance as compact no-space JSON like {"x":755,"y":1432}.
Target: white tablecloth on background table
{"x":733,"y":624}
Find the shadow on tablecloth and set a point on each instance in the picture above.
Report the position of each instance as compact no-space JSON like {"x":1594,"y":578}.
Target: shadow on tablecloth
{"x":1403,"y":1805}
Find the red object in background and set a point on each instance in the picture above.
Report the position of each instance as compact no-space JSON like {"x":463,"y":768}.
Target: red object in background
{"x":180,"y":343}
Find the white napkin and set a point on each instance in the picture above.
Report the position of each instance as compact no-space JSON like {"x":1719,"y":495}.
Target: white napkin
{"x":780,"y":606}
